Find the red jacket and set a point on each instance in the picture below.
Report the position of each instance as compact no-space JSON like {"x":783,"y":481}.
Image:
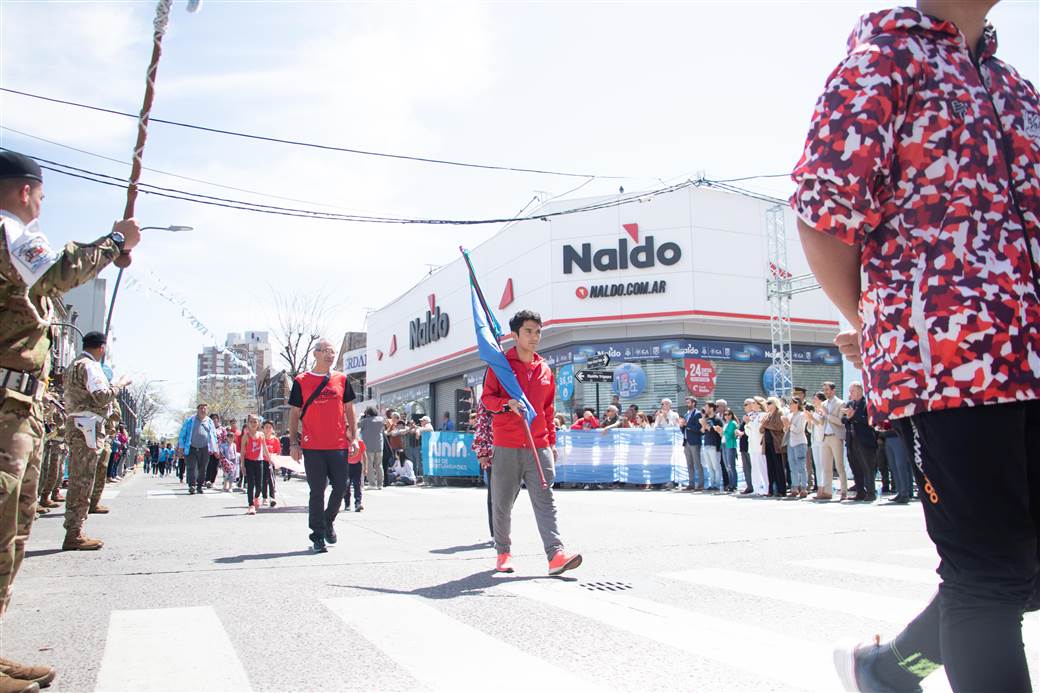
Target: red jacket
{"x":539,"y":384}
{"x":583,"y":424}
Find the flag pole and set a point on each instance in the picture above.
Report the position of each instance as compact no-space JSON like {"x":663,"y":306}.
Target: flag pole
{"x":491,"y":325}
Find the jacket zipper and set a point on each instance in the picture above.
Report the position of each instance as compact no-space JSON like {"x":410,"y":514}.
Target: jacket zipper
{"x":1008,"y":158}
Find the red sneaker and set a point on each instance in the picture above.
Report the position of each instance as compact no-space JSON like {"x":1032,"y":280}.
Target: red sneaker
{"x":504,"y":564}
{"x":562,"y":562}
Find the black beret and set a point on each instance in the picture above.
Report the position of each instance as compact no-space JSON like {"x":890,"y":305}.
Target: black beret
{"x":93,"y":340}
{"x":15,"y":165}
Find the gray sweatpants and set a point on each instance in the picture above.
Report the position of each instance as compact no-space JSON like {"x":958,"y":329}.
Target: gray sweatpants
{"x":513,"y":465}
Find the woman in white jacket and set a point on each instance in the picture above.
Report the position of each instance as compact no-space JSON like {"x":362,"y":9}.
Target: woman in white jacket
{"x":759,"y":469}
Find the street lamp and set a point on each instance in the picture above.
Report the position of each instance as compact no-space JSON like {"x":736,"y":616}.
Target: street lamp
{"x":119,"y":277}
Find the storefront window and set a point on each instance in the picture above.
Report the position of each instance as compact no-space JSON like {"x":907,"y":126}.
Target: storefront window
{"x":411,"y":403}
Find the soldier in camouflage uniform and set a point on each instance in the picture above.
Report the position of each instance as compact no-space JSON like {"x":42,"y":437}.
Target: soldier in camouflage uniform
{"x":54,"y":450}
{"x":101,"y":474}
{"x":32,"y":275}
{"x":54,"y":444}
{"x":89,"y":403}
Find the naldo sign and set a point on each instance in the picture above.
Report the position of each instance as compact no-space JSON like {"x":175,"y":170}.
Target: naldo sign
{"x":622,"y":256}
{"x":435,"y":327}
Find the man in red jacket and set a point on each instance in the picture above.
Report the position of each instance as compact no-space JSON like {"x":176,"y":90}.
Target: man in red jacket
{"x":513,"y":460}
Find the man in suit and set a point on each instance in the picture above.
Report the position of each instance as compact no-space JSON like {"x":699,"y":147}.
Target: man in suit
{"x":862,"y":444}
{"x":832,"y":444}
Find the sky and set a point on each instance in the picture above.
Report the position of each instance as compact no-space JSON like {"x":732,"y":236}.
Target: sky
{"x":651,"y":92}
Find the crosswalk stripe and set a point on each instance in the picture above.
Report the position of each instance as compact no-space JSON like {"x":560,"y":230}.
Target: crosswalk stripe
{"x":109,"y":493}
{"x":803,"y":593}
{"x":871,"y":569}
{"x":749,"y":648}
{"x":129,"y":666}
{"x":389,"y":621}
{"x":917,"y":553}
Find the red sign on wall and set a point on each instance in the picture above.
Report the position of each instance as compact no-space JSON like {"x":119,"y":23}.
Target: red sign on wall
{"x":700,"y":377}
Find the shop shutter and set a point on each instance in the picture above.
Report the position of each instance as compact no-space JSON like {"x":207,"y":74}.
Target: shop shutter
{"x":444,"y":400}
{"x":812,"y":375}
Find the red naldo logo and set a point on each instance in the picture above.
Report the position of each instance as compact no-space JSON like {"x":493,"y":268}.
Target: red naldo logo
{"x":581,"y":292}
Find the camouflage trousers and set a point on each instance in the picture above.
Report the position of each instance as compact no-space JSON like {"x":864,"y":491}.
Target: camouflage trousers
{"x":100,"y":475}
{"x":21,"y":447}
{"x":53,"y":465}
{"x":87,"y":470}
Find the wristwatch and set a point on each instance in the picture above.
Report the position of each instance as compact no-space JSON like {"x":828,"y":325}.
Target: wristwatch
{"x":118,"y":238}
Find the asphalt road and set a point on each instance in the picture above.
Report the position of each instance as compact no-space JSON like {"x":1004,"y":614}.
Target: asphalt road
{"x":678,"y":591}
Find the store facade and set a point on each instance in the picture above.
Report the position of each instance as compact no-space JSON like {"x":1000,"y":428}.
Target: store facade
{"x":672,"y":289}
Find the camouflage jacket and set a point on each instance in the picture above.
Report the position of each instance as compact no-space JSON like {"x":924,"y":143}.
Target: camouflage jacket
{"x":54,"y":415}
{"x":87,"y":388}
{"x":24,"y":335}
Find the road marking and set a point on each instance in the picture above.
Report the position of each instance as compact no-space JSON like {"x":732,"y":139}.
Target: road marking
{"x":179,"y":493}
{"x":109,"y":493}
{"x":804,"y":593}
{"x":917,"y":553}
{"x":133,"y":662}
{"x":389,"y":620}
{"x":870,"y":569}
{"x":765,"y":653}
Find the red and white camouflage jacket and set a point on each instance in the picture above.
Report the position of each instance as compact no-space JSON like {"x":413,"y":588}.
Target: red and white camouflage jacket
{"x":929,"y":159}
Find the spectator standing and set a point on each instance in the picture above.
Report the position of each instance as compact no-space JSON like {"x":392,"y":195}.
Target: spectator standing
{"x":197,"y":440}
{"x":692,"y":446}
{"x":711,"y":446}
{"x":772,"y":442}
{"x":666,"y":417}
{"x":395,"y":433}
{"x":759,"y":464}
{"x":797,"y":448}
{"x":513,"y":460}
{"x":899,"y":462}
{"x":425,"y":427}
{"x":611,"y":419}
{"x":862,"y":444}
{"x":832,"y":444}
{"x":372,"y":426}
{"x":745,"y":450}
{"x":322,"y":404}
{"x":729,"y":447}
{"x":447,"y":424}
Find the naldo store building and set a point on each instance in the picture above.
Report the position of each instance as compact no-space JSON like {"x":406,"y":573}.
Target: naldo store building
{"x":673,"y":289}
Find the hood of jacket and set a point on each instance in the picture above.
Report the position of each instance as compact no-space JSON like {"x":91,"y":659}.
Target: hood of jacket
{"x":909,"y":22}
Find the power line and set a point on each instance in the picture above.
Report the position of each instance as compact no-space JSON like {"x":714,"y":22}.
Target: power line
{"x":171,"y":174}
{"x":198,"y":198}
{"x":312,"y":145}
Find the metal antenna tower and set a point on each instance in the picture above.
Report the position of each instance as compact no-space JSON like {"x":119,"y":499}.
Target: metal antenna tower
{"x":780,"y":287}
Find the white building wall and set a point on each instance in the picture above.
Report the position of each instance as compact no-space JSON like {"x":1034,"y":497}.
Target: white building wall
{"x":717,"y":288}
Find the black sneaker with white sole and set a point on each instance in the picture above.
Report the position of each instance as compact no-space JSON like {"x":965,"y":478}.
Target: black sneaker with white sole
{"x":319,"y":546}
{"x":330,"y":535}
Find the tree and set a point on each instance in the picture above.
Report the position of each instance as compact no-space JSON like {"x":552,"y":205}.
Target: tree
{"x":301,"y":323}
{"x":231,"y":404}
{"x":150,"y":402}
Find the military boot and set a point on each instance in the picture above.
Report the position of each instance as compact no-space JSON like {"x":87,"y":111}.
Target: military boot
{"x":47,"y":502}
{"x":9,"y":685}
{"x":57,"y":497}
{"x":99,"y":509}
{"x":42,"y":510}
{"x":79,"y":541}
{"x":42,"y":675}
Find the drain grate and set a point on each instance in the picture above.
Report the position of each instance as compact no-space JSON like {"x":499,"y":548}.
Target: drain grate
{"x":606,"y":586}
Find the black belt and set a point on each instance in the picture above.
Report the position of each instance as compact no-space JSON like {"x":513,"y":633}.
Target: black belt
{"x":25,"y":383}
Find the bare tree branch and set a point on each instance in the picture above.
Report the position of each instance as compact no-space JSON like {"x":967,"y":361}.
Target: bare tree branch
{"x":301,"y":321}
{"x":150,"y":402}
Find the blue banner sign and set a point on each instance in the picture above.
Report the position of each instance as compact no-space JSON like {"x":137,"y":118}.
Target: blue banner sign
{"x":628,"y":455}
{"x":449,"y":453}
{"x":565,"y":382}
{"x":716,"y":350}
